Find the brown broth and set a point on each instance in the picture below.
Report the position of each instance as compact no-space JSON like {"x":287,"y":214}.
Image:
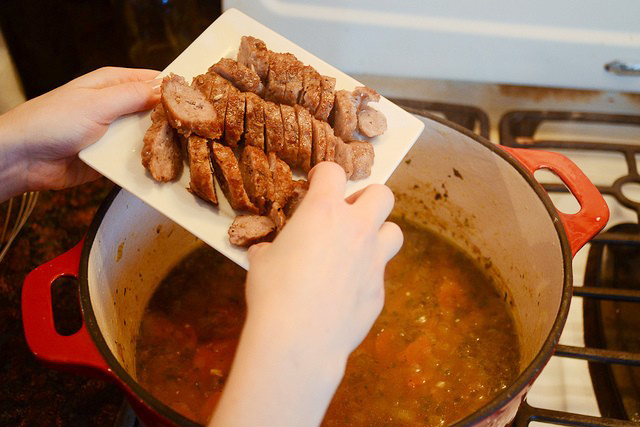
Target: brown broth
{"x":444,"y":345}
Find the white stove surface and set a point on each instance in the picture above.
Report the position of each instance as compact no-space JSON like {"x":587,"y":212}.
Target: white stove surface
{"x":564,"y":384}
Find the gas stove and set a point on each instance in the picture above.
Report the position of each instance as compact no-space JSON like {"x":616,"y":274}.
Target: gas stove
{"x":591,"y":380}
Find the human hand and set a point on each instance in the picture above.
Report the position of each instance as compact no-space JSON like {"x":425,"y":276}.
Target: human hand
{"x":40,"y":139}
{"x":312,"y":296}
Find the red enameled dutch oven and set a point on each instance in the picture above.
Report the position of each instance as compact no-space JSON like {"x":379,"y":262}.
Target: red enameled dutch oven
{"x":482,"y":196}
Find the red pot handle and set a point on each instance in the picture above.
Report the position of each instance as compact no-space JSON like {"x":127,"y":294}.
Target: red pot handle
{"x":594,"y":212}
{"x":76,"y":352}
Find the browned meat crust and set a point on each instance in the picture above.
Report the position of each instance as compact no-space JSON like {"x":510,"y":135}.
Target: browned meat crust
{"x":253,"y":53}
{"x":305,"y":138}
{"x":363,"y":157}
{"x":234,"y":119}
{"x":311,"y":89}
{"x":187,"y":108}
{"x":202,"y":182}
{"x":161,"y":153}
{"x":254,"y":121}
{"x":276,"y":213}
{"x":344,"y":156}
{"x":319,"y":149}
{"x":290,"y":148}
{"x":327,"y":96}
{"x":227,"y":172}
{"x":293,"y":87}
{"x":241,"y":76}
{"x":300,"y":188}
{"x":256,"y":176}
{"x":247,"y":230}
{"x":215,"y":88}
{"x":281,"y":67}
{"x":282,"y":180}
{"x":330,"y":151}
{"x":274,"y":129}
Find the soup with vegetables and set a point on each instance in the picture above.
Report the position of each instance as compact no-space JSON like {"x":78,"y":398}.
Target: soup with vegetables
{"x":444,"y":345}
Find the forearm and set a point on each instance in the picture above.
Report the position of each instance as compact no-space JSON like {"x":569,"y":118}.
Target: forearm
{"x":12,"y":164}
{"x":277,"y":381}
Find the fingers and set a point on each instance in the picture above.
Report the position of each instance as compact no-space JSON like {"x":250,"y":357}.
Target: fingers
{"x":126,"y":98}
{"x":255,"y":249}
{"x":390,"y":238}
{"x":375,"y":202}
{"x":327,"y":179}
{"x":109,"y":76}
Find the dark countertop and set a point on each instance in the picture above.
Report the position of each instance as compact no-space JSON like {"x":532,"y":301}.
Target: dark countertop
{"x":32,"y":394}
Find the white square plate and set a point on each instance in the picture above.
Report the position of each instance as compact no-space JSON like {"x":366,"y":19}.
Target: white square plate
{"x":117,"y":154}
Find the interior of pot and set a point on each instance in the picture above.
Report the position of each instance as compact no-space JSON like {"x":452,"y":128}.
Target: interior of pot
{"x":450,"y":182}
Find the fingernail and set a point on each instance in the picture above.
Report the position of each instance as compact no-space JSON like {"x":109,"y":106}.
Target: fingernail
{"x":154,"y":83}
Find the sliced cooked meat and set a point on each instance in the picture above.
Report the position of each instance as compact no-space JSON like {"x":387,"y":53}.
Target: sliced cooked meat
{"x":344,"y":156}
{"x":363,"y":157}
{"x":345,"y":117}
{"x":254,"y":121}
{"x":276,"y":213}
{"x":280,"y":68}
{"x":274,"y":129}
{"x":311,"y":89}
{"x":202,"y":182}
{"x":319,"y":149}
{"x":241,"y":76}
{"x":215,"y":89}
{"x":305,"y":138}
{"x":253,"y":53}
{"x":330,"y":151}
{"x":247,"y":230}
{"x":290,"y":148}
{"x":256,"y":176}
{"x":227,"y":172}
{"x":327,"y":96}
{"x":282,"y":180}
{"x":161,"y":153}
{"x":364,"y":95}
{"x":187,"y":108}
{"x":294,"y":84}
{"x":300,"y":188}
{"x":371,"y":122}
{"x":234,"y":119}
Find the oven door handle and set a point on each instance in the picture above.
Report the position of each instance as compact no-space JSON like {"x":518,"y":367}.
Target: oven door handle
{"x":594,"y":212}
{"x":75,"y":352}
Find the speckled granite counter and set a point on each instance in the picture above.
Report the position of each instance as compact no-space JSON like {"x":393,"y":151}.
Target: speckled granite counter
{"x":32,"y":394}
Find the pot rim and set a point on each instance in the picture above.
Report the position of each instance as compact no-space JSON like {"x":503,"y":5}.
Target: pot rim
{"x":525,"y":378}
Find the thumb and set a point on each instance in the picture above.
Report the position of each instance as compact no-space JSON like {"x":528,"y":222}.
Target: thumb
{"x":126,"y":98}
{"x":254,"y":250}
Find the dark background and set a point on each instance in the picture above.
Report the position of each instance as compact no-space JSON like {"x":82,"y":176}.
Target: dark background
{"x":54,"y":41}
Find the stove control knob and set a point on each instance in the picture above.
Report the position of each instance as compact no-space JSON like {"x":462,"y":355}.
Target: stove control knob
{"x":623,"y":68}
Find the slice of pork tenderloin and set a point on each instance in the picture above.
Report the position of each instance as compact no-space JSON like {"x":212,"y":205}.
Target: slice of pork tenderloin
{"x":234,"y":119}
{"x":344,"y":116}
{"x":305,"y":137}
{"x":344,"y":156}
{"x":161,"y":152}
{"x":254,"y":121}
{"x":227,"y":170}
{"x":300,"y":188}
{"x":188,"y":109}
{"x":289,"y":153}
{"x":201,"y":171}
{"x":311,"y":89}
{"x":319,"y":142}
{"x":282,"y":180}
{"x":256,"y":177}
{"x":327,"y":98}
{"x":294,"y":85}
{"x":253,"y":53}
{"x":274,"y":129}
{"x":281,"y":67}
{"x":241,"y":76}
{"x":215,"y":88}
{"x":371,"y":122}
{"x":247,"y":230}
{"x":331,"y":139}
{"x":157,"y":113}
{"x":363,"y":157}
{"x":276,"y":213}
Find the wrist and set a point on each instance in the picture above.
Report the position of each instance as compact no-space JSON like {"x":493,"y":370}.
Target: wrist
{"x":12,"y":165}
